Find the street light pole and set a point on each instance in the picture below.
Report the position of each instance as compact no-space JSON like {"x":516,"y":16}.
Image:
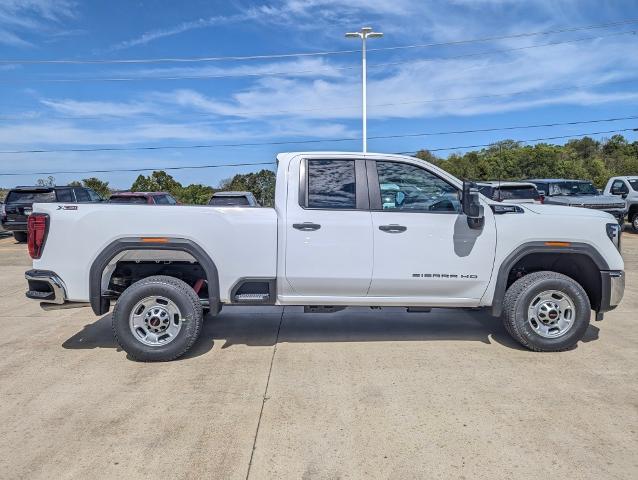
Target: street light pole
{"x":364,"y":34}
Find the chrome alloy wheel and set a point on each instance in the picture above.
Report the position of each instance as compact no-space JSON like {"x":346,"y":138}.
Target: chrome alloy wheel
{"x":155,"y":321}
{"x":551,"y":313}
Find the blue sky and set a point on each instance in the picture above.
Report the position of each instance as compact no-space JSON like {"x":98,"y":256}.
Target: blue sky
{"x":433,"y":89}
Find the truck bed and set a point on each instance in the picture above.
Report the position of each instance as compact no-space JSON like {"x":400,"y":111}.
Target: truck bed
{"x":241,"y":242}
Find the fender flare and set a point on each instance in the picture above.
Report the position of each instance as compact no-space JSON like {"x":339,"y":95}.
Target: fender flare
{"x":101,"y":305}
{"x":538,"y":247}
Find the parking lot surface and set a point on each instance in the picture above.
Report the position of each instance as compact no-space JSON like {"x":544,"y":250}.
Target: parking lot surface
{"x":273,"y":393}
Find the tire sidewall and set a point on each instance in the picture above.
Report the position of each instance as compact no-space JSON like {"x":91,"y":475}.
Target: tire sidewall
{"x":581,"y":319}
{"x":121,"y":317}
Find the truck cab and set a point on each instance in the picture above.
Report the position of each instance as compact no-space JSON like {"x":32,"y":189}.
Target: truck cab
{"x":347,"y":229}
{"x":626,"y":188}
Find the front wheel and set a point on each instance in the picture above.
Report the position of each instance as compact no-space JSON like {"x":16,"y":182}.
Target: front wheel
{"x":634,"y":222}
{"x":546,"y":311}
{"x":157,"y":319}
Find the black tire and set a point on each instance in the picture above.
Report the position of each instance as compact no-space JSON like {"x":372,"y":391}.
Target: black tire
{"x":178,"y":292}
{"x":20,"y":237}
{"x":634,"y":222}
{"x":519,"y":298}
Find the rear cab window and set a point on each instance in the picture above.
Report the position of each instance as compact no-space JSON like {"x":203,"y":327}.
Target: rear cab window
{"x":228,"y":200}
{"x":26,"y":196}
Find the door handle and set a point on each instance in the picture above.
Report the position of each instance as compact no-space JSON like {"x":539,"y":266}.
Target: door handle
{"x":306,"y":226}
{"x":393,"y":228}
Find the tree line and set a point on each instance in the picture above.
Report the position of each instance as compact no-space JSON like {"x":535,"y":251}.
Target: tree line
{"x":584,"y":158}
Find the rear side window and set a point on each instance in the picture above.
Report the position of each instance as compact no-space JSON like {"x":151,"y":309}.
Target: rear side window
{"x":331,"y":184}
{"x":82,"y":195}
{"x":65,"y":195}
{"x":17,"y":196}
{"x":161,"y":199}
{"x":518,"y":193}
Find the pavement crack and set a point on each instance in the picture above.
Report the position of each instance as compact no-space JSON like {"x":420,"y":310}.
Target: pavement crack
{"x":265,"y":395}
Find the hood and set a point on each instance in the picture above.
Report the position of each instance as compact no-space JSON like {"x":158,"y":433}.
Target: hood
{"x":581,"y":200}
{"x":560,"y":211}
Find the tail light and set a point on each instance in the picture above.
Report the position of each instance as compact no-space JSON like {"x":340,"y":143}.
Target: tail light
{"x":37,"y":229}
{"x":542,"y":198}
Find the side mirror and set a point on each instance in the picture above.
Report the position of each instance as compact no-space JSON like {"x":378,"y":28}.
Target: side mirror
{"x":472,"y":207}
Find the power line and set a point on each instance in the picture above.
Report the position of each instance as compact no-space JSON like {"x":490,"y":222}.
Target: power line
{"x":311,"y":54}
{"x":302,"y":72}
{"x":323,"y":108}
{"x":460,"y":147}
{"x":300,"y":142}
{"x":137,"y":169}
{"x":185,"y":167}
{"x":343,"y":139}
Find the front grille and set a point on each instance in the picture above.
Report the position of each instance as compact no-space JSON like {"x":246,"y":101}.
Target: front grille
{"x":603,"y":206}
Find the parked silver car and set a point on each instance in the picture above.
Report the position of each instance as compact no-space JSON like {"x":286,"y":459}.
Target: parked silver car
{"x":579,"y":193}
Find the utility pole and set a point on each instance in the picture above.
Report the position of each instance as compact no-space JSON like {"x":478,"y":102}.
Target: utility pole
{"x":364,"y":34}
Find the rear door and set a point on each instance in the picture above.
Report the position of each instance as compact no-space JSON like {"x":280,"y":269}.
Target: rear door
{"x":424,"y":249}
{"x":328,"y":228}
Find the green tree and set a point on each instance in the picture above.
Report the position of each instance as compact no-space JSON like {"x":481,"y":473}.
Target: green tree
{"x":97,"y":185}
{"x":195,"y":194}
{"x":46,"y":182}
{"x":158,"y":181}
{"x":261,"y":184}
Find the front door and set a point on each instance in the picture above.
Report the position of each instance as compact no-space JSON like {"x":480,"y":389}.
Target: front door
{"x":423,"y":246}
{"x":328,"y":229}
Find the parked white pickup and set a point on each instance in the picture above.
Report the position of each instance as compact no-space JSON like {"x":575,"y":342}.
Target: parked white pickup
{"x":347,"y":229}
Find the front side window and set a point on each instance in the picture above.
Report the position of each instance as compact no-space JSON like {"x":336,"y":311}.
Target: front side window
{"x":572,"y":188}
{"x":331,"y":184}
{"x":93,"y":196}
{"x":408,"y":187}
{"x":619,"y":187}
{"x":81,"y":195}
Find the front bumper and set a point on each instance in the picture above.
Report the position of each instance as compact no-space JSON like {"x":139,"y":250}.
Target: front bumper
{"x":45,"y":286}
{"x":612,"y":284}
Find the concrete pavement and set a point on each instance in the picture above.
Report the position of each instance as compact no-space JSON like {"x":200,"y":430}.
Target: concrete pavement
{"x":355,"y":394}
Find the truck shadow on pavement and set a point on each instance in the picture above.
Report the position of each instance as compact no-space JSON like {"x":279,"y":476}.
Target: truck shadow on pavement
{"x":259,"y":327}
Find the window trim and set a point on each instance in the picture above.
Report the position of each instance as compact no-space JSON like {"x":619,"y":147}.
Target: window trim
{"x":374,"y":190}
{"x":360,"y":185}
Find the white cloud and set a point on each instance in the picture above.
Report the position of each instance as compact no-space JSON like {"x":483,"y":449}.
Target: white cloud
{"x":19,"y":18}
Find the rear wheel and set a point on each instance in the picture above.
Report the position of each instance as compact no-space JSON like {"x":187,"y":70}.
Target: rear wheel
{"x":546,"y":311}
{"x":157,"y":319}
{"x":21,"y":237}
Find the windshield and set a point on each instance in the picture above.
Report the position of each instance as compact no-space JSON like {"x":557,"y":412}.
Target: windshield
{"x":572,"y":188}
{"x":634,"y":184}
{"x":127,"y":199}
{"x":18,"y":196}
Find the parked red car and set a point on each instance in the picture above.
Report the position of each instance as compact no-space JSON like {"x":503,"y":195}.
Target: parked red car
{"x":150,"y":198}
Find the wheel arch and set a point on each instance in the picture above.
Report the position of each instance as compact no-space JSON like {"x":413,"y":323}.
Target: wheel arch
{"x":568,"y":259}
{"x":101,"y":305}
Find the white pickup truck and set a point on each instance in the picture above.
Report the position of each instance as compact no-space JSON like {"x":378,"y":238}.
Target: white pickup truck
{"x":347,"y":229}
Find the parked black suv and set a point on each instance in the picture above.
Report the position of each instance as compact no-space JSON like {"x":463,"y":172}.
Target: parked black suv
{"x":19,"y":203}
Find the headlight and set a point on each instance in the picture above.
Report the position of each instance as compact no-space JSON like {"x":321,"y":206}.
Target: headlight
{"x":613,"y":232}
